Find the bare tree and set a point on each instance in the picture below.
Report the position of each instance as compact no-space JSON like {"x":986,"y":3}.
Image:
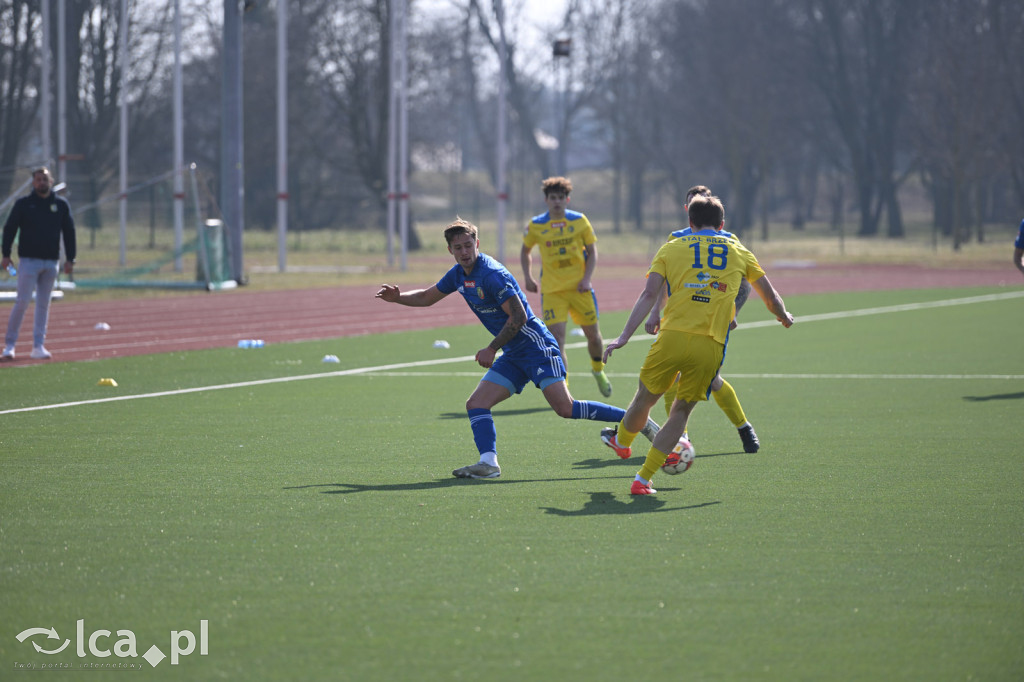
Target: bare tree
{"x":951,"y":128}
{"x":861,"y":54}
{"x":493,"y":28}
{"x":19,"y":78}
{"x":616,"y":75}
{"x":93,"y":84}
{"x":1006,"y":23}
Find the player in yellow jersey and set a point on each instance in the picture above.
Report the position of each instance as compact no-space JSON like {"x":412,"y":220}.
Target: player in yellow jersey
{"x":721,"y":390}
{"x":568,"y":254}
{"x":702,"y":271}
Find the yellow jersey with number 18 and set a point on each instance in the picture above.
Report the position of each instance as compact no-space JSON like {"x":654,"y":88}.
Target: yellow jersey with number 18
{"x":703,"y":271}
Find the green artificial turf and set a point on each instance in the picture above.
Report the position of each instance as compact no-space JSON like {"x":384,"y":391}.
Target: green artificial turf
{"x":311,"y":520}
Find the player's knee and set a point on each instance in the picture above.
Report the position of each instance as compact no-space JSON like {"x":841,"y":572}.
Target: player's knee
{"x":563,"y":410}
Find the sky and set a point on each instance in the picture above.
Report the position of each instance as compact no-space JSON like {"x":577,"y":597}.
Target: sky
{"x":536,"y":17}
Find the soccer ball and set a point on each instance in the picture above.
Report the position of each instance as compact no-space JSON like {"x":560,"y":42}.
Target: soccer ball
{"x":680,"y":459}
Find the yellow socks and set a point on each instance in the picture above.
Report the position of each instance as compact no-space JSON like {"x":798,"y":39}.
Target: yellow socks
{"x":596,"y":365}
{"x":730,"y":404}
{"x":655,"y":458}
{"x":624,"y":436}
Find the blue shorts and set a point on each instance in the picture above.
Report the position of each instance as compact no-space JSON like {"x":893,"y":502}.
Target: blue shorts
{"x":513,"y":370}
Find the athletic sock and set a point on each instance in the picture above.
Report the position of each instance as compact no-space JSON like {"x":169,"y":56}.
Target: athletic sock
{"x":484,"y":433}
{"x":655,"y":458}
{"x":730,"y":404}
{"x":596,"y":365}
{"x":624,"y":436}
{"x":489,"y":458}
{"x":599,"y":412}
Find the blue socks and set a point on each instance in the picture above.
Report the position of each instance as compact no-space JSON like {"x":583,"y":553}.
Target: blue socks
{"x":599,"y":412}
{"x":484,"y":434}
{"x":486,"y":437}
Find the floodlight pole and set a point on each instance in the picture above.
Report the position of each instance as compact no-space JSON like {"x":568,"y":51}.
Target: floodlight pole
{"x":231,"y":126}
{"x":501,"y":151}
{"x":403,"y":132}
{"x":62,"y":94}
{"x":392,"y":166}
{"x":122,"y":195}
{"x":562,"y":48}
{"x":45,"y":88}
{"x":282,"y":135}
{"x":179,"y":146}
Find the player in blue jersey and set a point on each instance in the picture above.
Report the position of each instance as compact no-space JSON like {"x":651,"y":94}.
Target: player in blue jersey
{"x":529,"y":351}
{"x":1018,"y":249}
{"x":722,"y":391}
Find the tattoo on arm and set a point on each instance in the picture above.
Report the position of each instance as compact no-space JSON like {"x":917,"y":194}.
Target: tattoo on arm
{"x":516,"y":320}
{"x":744,"y":292}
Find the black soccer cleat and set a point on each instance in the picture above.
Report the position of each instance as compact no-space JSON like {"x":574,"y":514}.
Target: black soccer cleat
{"x":749,"y":438}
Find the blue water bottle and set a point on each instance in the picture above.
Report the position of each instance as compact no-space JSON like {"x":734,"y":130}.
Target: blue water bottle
{"x":11,"y":270}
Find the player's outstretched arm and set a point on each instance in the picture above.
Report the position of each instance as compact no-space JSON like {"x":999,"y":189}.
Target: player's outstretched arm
{"x":644,"y":302}
{"x":416,"y":299}
{"x":774,"y":302}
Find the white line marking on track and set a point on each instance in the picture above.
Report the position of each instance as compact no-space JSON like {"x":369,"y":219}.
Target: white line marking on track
{"x":383,"y":370}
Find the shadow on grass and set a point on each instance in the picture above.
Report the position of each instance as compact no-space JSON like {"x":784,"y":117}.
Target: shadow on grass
{"x":497,"y":413}
{"x":997,"y":396}
{"x":634,"y":461}
{"x":607,"y":503}
{"x":439,"y":484}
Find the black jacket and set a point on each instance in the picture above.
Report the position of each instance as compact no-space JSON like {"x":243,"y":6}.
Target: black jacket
{"x":41,"y":220}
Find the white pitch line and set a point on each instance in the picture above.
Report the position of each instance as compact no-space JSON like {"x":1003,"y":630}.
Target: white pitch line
{"x":242,"y":384}
{"x":906,"y":307}
{"x":383,"y":369}
{"x":626,"y":375}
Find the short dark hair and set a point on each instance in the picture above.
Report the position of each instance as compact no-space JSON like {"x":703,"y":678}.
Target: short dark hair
{"x":697,"y":190}
{"x":706,"y":212}
{"x":457,"y":227}
{"x":558,"y":184}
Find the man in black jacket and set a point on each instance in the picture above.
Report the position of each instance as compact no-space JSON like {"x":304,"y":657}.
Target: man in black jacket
{"x":42,"y":218}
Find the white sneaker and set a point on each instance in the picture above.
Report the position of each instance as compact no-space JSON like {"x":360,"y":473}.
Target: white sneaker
{"x":8,"y":353}
{"x":40,"y":353}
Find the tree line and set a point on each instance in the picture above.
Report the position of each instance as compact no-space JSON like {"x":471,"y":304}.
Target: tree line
{"x":789,"y":109}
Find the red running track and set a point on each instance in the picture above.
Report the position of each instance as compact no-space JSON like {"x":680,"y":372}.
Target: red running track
{"x":199,"y":320}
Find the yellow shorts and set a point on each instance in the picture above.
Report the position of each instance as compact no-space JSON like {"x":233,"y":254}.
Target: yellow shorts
{"x":558,"y":305}
{"x":694,"y":357}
